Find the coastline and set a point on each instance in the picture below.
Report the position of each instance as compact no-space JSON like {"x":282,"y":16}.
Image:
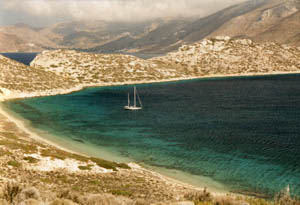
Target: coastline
{"x":22,"y":125}
{"x":170,"y":176}
{"x":12,"y":96}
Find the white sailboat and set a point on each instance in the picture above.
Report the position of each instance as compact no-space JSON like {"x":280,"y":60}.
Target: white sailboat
{"x":134,"y":107}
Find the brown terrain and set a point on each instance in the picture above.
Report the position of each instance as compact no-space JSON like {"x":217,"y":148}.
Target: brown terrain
{"x":259,"y":20}
{"x":276,"y":21}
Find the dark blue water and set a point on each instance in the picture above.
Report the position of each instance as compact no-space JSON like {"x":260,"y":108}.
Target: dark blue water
{"x":242,"y":132}
{"x":24,"y":58}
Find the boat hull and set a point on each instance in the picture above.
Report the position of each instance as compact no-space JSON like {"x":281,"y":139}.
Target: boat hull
{"x":132,"y":108}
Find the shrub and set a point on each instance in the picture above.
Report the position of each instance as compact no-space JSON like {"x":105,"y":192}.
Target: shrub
{"x":105,"y":164}
{"x":123,"y":166}
{"x":29,"y":193}
{"x":11,"y":190}
{"x":31,"y":159}
{"x":70,"y":195}
{"x":284,"y":198}
{"x":108,"y":164}
{"x":14,"y":163}
{"x":226,"y":200}
{"x":200,"y":196}
{"x":84,"y":167}
{"x":58,"y":154}
{"x":121,"y":192}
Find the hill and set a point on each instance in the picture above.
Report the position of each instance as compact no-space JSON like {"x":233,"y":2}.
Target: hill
{"x":210,"y":57}
{"x":18,"y":80}
{"x":226,"y":56}
{"x":61,"y":71}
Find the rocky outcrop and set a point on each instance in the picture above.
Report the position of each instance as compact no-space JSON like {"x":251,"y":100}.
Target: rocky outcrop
{"x":226,"y":56}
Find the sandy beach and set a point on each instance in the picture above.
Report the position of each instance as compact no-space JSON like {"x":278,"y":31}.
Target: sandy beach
{"x":170,"y":176}
{"x":9,"y":124}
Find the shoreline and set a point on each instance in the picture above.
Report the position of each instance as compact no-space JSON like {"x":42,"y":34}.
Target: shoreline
{"x":168,"y":175}
{"x":84,"y":86}
{"x":21,"y":124}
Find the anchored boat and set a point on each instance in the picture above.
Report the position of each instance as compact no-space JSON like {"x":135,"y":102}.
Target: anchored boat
{"x":134,"y":107}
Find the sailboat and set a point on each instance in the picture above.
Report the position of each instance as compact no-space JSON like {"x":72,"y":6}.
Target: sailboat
{"x":134,"y":107}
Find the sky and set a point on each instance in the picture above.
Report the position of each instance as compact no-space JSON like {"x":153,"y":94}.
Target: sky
{"x":45,"y":12}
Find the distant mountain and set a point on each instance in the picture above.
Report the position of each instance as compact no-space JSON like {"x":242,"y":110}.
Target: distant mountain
{"x":275,"y":20}
{"x":23,"y":38}
{"x":258,"y":20}
{"x":174,"y":33}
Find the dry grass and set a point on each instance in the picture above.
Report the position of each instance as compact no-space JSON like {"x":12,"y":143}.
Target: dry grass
{"x":11,"y":190}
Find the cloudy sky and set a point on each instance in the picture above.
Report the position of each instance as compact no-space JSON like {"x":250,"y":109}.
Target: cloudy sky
{"x":43,"y":12}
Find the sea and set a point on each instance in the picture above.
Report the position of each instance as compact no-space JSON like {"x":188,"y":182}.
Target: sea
{"x":237,"y":134}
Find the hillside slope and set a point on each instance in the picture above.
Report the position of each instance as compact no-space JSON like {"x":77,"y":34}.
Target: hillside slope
{"x":22,"y":38}
{"x":210,"y":57}
{"x":226,"y":56}
{"x":18,"y":80}
{"x":62,"y":71}
{"x":91,"y":69}
{"x":276,"y":20}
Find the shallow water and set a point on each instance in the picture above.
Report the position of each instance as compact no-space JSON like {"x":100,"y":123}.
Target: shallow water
{"x":240,"y":132}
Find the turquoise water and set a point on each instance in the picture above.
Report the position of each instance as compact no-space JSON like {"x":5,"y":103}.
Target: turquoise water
{"x":240,"y":132}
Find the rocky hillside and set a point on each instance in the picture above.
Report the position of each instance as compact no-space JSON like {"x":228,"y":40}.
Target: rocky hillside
{"x":61,"y":71}
{"x":275,"y":20}
{"x":18,"y":80}
{"x":258,"y":20}
{"x":215,"y":56}
{"x":23,"y":38}
{"x":91,"y":69}
{"x":226,"y":56}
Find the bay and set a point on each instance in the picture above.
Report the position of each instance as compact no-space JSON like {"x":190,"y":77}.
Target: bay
{"x":241,"y":132}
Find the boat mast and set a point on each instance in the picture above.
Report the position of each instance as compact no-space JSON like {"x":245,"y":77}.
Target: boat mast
{"x":134,"y":96}
{"x":128,"y":100}
{"x":139,"y":99}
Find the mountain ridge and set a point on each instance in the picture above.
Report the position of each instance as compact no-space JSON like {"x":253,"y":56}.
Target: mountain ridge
{"x":258,"y":20}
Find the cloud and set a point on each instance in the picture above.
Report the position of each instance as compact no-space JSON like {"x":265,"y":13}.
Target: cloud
{"x":115,"y":10}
